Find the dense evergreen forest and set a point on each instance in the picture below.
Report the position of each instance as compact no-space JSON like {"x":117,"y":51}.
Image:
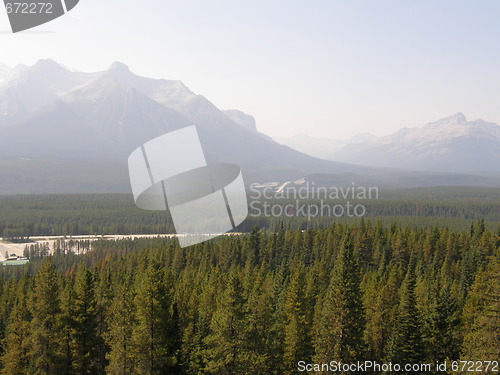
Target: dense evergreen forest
{"x":44,"y":215}
{"x":258,"y":303}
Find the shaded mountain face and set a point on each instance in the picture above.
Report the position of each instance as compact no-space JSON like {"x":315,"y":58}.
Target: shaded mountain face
{"x":48,"y":111}
{"x":452,"y":144}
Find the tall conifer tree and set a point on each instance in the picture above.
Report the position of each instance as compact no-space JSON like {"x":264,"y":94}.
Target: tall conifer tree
{"x":46,"y":338}
{"x":342,"y":322}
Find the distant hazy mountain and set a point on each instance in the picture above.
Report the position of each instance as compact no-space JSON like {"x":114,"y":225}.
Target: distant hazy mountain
{"x":451,"y":144}
{"x":241,"y":118}
{"x":48,"y":111}
{"x":321,"y":147}
{"x":246,"y":121}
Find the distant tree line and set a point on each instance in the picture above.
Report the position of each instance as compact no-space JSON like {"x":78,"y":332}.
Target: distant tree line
{"x":25,"y":216}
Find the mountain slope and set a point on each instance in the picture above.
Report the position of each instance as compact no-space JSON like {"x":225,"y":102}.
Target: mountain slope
{"x":451,"y":144}
{"x":105,"y":120}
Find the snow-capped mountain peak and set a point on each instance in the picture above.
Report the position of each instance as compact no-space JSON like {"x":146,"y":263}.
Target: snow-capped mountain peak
{"x":452,"y":143}
{"x":49,"y":66}
{"x":442,"y":130}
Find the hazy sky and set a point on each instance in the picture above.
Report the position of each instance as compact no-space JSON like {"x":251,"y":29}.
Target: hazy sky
{"x":325,"y":68}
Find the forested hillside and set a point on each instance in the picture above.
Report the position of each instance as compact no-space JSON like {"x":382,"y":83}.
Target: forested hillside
{"x":257,"y":303}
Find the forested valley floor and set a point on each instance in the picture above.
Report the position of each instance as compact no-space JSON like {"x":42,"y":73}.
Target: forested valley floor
{"x":22,"y":216}
{"x":257,"y":303}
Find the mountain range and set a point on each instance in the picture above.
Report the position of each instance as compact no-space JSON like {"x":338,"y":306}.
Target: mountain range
{"x":50,"y":113}
{"x":68,"y":131}
{"x":450,"y":144}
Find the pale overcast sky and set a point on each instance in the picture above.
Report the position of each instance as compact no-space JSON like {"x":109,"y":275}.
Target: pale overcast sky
{"x":326,"y":68}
